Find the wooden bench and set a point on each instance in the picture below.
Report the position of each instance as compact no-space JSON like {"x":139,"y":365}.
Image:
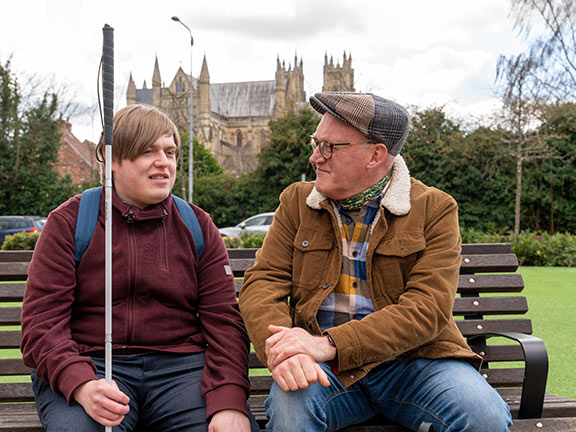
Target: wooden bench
{"x":486,"y":269}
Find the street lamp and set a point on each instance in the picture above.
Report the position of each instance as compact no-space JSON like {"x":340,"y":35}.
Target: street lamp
{"x":191,"y":118}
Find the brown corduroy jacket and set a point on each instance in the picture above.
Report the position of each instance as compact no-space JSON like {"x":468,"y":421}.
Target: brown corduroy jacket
{"x":412,"y":264}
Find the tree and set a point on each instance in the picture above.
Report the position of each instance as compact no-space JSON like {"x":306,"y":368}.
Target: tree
{"x":429,"y":147}
{"x":205,"y":164}
{"x":550,"y":198}
{"x":230,"y":200}
{"x":285,"y":159}
{"x":472,"y":167}
{"x":552,"y":75}
{"x":522,"y":111}
{"x":29,"y":142}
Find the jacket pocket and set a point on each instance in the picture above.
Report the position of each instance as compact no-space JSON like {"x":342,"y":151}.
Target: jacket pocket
{"x":391,"y":265}
{"x":311,"y":252}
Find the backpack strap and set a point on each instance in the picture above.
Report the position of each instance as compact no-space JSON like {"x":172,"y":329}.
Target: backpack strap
{"x":86,"y":221}
{"x":191,"y":221}
{"x":88,"y":218}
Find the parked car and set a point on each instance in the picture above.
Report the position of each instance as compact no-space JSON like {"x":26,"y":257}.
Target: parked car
{"x":14,"y":224}
{"x":254,"y":224}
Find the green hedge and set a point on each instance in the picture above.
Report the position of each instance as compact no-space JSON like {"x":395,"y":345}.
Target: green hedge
{"x":245,"y":240}
{"x":532,"y":249}
{"x":20,"y":241}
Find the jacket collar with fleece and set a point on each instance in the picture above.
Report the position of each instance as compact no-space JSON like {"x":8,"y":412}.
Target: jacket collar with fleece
{"x":396,"y":200}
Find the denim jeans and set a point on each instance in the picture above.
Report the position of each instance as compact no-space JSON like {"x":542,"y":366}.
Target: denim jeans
{"x":448,"y":393}
{"x":164,"y":392}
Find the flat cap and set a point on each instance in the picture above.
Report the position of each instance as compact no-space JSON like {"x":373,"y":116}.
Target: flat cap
{"x":378,"y":119}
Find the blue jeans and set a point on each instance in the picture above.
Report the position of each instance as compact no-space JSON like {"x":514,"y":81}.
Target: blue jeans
{"x":164,"y":392}
{"x":448,"y":393}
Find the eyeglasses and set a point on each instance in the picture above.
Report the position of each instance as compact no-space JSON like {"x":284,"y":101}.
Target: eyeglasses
{"x":327,"y":148}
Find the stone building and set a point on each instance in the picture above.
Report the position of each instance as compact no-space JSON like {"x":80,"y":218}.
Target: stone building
{"x":232,"y":118}
{"x":75,"y":157}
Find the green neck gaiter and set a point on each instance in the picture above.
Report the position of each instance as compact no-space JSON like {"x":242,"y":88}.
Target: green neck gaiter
{"x":357,"y":201}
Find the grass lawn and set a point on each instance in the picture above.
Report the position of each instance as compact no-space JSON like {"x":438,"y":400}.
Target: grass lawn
{"x":551,"y":293}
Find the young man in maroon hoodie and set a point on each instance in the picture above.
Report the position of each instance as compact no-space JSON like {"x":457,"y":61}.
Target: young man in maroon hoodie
{"x":180,"y":350}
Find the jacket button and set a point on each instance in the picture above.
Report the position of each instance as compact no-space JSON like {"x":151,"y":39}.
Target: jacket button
{"x":326,"y":285}
{"x":305,"y":243}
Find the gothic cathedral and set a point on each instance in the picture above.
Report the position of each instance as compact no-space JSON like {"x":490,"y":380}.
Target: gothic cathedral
{"x":232,"y":118}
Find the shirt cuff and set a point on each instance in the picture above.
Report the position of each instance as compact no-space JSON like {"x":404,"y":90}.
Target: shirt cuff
{"x":230,"y":396}
{"x":73,"y":376}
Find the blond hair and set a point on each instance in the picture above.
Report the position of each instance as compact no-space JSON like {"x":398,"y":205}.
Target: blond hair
{"x":137,"y":127}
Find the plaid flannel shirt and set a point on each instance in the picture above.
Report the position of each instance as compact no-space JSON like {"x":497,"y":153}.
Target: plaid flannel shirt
{"x":351,"y":298}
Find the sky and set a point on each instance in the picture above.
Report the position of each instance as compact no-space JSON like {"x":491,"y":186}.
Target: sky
{"x":420,"y":53}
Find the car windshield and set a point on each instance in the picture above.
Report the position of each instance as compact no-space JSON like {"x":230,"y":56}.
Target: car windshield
{"x":40,"y":223}
{"x":260,"y":220}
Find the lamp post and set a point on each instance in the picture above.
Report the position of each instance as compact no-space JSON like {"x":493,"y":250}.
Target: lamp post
{"x":190,"y":119}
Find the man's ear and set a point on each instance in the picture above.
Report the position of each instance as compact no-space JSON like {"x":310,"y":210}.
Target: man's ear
{"x":379,"y":156}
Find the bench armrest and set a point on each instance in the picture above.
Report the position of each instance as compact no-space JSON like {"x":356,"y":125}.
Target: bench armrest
{"x":535,"y":372}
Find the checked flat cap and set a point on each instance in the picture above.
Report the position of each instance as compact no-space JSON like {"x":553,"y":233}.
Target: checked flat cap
{"x":378,"y":119}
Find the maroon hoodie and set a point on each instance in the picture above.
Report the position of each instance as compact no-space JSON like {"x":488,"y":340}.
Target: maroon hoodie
{"x":163,"y":299}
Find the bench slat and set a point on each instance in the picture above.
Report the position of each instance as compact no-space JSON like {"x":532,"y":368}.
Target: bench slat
{"x":481,"y":263}
{"x":488,"y":283}
{"x":16,"y":392}
{"x":12,"y":292}
{"x":490,"y":306}
{"x":16,"y":256}
{"x":501,"y":353}
{"x":476,"y":327}
{"x":240,"y":265}
{"x":241,"y":253}
{"x":462,"y":306}
{"x":13,"y":271}
{"x":11,"y":367}
{"x":10,"y":315}
{"x":488,"y":263}
{"x":23,"y":418}
{"x":10,"y":339}
{"x":509,"y":377}
{"x":486,"y":248}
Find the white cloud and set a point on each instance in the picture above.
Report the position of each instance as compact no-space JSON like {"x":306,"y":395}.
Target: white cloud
{"x":416,"y":51}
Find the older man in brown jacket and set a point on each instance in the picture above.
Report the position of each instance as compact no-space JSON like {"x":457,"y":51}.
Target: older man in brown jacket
{"x":349,"y":302}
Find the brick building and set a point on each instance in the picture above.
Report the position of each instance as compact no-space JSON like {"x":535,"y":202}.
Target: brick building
{"x":76,"y":158}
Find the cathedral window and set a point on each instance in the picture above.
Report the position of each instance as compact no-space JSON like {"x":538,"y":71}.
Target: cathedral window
{"x":179,"y":85}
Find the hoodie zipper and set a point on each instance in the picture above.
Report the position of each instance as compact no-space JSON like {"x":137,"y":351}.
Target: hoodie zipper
{"x":131,"y":276}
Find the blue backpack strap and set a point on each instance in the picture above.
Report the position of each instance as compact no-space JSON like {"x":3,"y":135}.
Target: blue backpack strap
{"x":191,"y":221}
{"x":86,"y":220}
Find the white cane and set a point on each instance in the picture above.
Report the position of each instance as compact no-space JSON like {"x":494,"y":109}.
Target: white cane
{"x":108,"y":102}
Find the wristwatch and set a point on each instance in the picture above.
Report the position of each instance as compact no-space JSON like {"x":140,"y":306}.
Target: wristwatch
{"x":331,"y":341}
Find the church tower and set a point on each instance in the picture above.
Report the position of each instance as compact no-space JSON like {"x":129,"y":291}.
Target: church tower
{"x":131,"y":91}
{"x":204,"y":103}
{"x":338,"y":78}
{"x":156,"y":86}
{"x":289,"y":87}
{"x":280,"y":90}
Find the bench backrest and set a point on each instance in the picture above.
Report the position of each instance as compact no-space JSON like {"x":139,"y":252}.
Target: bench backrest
{"x":486,"y":269}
